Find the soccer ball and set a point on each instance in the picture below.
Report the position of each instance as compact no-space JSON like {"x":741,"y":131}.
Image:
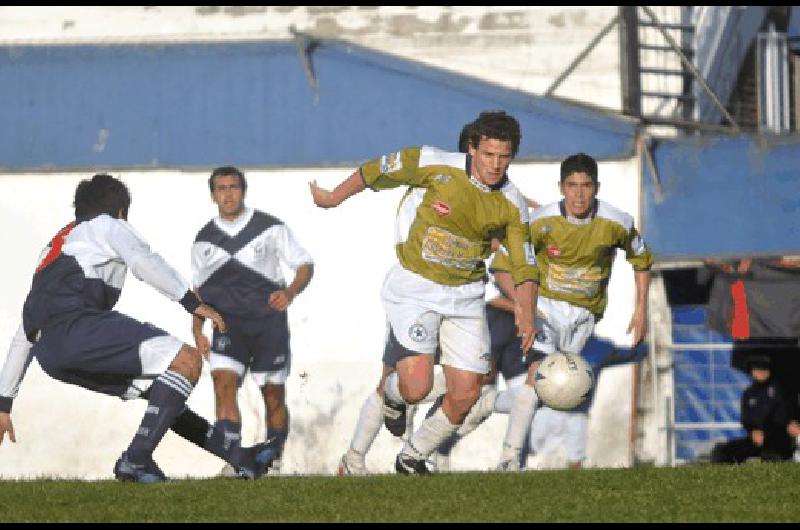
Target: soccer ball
{"x":563,"y":381}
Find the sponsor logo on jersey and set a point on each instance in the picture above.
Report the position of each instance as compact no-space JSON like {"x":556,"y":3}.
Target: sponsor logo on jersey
{"x":417,"y":332}
{"x":441,"y":208}
{"x":391,"y":162}
{"x":638,"y":246}
{"x":553,"y":251}
{"x":442,"y":179}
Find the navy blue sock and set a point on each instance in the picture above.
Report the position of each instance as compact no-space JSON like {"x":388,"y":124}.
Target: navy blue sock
{"x":191,"y":427}
{"x":216,"y":439}
{"x":276,"y":438}
{"x":223,"y":439}
{"x":167,"y":400}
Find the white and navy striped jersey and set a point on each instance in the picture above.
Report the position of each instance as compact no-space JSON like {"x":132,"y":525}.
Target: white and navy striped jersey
{"x":84,"y":268}
{"x":236,"y":264}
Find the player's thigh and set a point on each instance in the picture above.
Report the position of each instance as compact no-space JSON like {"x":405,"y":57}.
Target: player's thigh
{"x":106,"y":351}
{"x":465,"y":343}
{"x":270,"y":346}
{"x":230,"y":351}
{"x":411,"y":330}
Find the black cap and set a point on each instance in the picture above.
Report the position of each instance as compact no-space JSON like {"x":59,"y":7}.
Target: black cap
{"x":759,"y":361}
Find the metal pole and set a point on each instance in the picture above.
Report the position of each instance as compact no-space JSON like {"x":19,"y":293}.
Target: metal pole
{"x":581,"y":56}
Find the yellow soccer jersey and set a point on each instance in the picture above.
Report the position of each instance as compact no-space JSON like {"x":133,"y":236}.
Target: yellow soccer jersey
{"x":575,"y":256}
{"x":446,"y":219}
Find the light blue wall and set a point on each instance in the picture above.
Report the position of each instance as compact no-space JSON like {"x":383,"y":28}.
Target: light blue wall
{"x":723,"y":196}
{"x":251,"y":104}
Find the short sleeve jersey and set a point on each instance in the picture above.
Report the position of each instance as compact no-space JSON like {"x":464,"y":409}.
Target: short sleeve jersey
{"x":448,"y":237}
{"x":574,"y":256}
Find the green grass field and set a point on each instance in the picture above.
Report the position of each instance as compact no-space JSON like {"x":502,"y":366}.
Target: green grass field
{"x":749,"y":493}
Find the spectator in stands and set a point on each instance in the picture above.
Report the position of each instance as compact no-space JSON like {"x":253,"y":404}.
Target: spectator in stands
{"x":765,"y":417}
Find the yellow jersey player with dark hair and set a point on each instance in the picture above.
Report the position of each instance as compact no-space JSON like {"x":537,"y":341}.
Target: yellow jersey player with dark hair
{"x":575,"y":240}
{"x":434,"y":295}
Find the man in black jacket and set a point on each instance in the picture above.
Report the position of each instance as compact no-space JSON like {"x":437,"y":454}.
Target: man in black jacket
{"x":765,"y":417}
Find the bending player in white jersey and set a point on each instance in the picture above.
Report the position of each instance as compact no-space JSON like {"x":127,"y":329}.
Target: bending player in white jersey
{"x":69,"y":324}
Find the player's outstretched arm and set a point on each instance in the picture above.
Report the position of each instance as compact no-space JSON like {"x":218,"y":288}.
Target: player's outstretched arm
{"x":331,"y":199}
{"x":525,"y":297}
{"x":6,"y":426}
{"x":638,"y":325}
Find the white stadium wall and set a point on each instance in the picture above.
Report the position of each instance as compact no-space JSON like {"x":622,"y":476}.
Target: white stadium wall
{"x":337,"y":324}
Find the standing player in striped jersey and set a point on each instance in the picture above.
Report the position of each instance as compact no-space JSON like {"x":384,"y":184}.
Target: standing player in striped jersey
{"x":575,"y":241}
{"x":434,"y":296}
{"x":236,"y":267}
{"x":69,"y":325}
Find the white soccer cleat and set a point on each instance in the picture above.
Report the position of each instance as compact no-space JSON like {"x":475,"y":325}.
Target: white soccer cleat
{"x":441,"y":462}
{"x":509,"y":466}
{"x":351,"y":464}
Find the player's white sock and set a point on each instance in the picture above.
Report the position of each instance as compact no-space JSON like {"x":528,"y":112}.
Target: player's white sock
{"x":438,"y":388}
{"x":368,"y":425}
{"x":481,"y":410}
{"x":432,"y":432}
{"x":519,"y":421}
{"x":505,"y":399}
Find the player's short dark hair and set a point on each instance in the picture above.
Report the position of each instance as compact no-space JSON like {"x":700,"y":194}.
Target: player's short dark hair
{"x":101,"y":194}
{"x":579,"y":163}
{"x":227,"y":171}
{"x":496,"y":125}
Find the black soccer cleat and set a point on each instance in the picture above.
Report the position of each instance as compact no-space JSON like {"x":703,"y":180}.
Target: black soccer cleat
{"x":405,"y":465}
{"x":146,"y":473}
{"x":394,"y":416}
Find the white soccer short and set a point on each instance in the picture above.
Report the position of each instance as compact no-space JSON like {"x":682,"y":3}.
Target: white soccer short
{"x":224,"y":362}
{"x":424,"y":314}
{"x":565,"y":327}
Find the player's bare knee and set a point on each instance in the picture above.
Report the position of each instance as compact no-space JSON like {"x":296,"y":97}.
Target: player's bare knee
{"x":226,"y":382}
{"x":415,"y":391}
{"x":188,"y":363}
{"x":274,"y":396}
{"x":463,"y":400}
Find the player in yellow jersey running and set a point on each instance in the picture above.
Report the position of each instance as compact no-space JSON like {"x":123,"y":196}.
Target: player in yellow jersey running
{"x":434,"y":295}
{"x":575,"y":240}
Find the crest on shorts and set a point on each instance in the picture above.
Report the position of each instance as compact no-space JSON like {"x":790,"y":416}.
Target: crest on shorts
{"x":221,"y":343}
{"x":417,"y":332}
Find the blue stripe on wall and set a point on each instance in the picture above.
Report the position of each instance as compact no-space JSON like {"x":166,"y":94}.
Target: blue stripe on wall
{"x":251,"y":104}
